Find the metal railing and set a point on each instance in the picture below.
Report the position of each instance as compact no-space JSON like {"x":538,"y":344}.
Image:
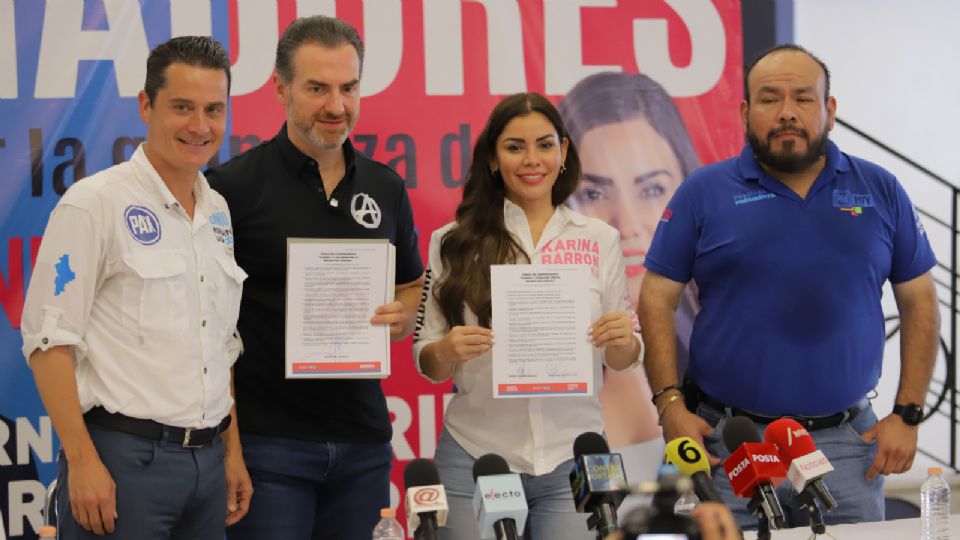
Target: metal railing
{"x":942,"y":394}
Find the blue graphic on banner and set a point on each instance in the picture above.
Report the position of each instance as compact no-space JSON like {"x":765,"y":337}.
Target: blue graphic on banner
{"x":68,"y":99}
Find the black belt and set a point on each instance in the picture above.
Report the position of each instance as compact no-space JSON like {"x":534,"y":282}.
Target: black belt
{"x":148,"y":429}
{"x":693,"y":395}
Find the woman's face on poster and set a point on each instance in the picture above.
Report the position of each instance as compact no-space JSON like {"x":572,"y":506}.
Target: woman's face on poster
{"x":630,"y":172}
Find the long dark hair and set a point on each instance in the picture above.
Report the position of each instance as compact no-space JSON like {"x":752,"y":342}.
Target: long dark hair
{"x":480,"y":237}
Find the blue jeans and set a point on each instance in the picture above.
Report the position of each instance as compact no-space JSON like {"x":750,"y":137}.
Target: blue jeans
{"x":313,"y":490}
{"x":164,"y":491}
{"x":857,"y":498}
{"x":552,"y":514}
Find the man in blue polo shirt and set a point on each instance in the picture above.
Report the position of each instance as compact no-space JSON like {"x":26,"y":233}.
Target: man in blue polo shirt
{"x":790,"y":244}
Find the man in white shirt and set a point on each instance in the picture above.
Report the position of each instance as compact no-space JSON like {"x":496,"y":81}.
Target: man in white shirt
{"x":129,"y":323}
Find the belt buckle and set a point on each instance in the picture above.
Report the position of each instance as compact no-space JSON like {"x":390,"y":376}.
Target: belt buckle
{"x":186,"y":439}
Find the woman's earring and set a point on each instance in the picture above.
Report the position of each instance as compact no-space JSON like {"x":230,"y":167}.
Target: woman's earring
{"x":563,"y":167}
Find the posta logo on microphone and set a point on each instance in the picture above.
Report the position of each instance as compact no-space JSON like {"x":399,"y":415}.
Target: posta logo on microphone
{"x":428,"y":495}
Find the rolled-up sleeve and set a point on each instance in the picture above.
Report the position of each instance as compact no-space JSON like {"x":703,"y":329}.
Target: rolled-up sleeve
{"x":65,"y":278}
{"x":615,"y":295}
{"x":431,"y":326}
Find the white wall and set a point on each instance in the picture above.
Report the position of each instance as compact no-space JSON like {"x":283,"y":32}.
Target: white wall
{"x":896,"y":75}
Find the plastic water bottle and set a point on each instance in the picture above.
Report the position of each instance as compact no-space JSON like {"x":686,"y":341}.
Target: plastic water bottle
{"x":686,"y":503}
{"x":935,"y":507}
{"x":47,"y":532}
{"x":388,"y":528}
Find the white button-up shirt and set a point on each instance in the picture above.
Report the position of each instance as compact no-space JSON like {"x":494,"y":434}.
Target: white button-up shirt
{"x":147,"y":297}
{"x":534,"y":435}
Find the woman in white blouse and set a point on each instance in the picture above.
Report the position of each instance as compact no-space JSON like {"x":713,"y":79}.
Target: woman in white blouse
{"x":524,"y":169}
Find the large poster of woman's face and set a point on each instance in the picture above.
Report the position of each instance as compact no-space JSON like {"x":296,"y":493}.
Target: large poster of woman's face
{"x":635,"y":150}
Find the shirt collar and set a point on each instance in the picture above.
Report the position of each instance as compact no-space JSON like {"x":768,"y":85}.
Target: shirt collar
{"x":750,"y":168}
{"x":562,"y":214}
{"x":150,"y":179}
{"x":297,"y":160}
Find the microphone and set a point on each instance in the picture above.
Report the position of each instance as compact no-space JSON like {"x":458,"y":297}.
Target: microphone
{"x":598,"y":482}
{"x":691,"y":460}
{"x":807,"y":464}
{"x":426,"y":499}
{"x":499,"y":500}
{"x":754,"y":470}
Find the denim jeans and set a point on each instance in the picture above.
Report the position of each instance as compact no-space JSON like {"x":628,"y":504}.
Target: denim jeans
{"x":857,"y":498}
{"x":164,"y":491}
{"x":313,"y":490}
{"x":552,"y":515}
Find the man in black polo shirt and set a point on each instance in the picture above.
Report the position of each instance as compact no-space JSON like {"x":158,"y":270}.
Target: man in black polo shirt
{"x":318,"y":450}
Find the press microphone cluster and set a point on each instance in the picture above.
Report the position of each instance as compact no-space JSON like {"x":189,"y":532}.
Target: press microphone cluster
{"x":499,"y":501}
{"x":426,"y":500}
{"x":687,"y":456}
{"x":807,"y":465}
{"x":754,"y":470}
{"x":598,"y":481}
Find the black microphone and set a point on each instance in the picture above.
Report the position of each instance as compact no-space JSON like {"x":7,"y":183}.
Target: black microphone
{"x":754,"y":469}
{"x":499,"y":501}
{"x":426,"y":499}
{"x":598,"y":482}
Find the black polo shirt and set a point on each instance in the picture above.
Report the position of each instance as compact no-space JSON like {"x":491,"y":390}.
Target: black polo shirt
{"x":274,"y":192}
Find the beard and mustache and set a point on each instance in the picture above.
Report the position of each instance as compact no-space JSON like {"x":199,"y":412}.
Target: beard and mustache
{"x":787,"y":160}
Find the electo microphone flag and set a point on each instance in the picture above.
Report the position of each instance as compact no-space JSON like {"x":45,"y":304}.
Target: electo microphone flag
{"x":499,"y":500}
{"x":691,"y":460}
{"x":807,"y":465}
{"x":426,"y":500}
{"x":754,"y":470}
{"x":598,"y":481}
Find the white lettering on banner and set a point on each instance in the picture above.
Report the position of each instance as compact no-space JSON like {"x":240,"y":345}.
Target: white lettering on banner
{"x":308,"y":8}
{"x":8,"y":54}
{"x":563,"y":65}
{"x":25,"y":501}
{"x":190,"y":18}
{"x":403,"y":421}
{"x":257,"y":34}
{"x":41,"y":443}
{"x":443,"y":47}
{"x":708,"y":47}
{"x":28,"y":439}
{"x":64,"y":44}
{"x":383,"y":45}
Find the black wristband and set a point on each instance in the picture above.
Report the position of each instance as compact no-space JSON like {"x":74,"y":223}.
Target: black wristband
{"x":664,"y":390}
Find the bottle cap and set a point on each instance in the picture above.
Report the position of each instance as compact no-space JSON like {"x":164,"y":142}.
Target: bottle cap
{"x":388,"y":513}
{"x":47,"y":531}
{"x":934,"y":470}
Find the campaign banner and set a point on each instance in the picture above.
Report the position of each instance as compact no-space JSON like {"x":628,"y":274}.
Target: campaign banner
{"x":70,"y":71}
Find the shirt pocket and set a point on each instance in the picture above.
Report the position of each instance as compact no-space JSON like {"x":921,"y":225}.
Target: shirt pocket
{"x":155,"y":295}
{"x":228,"y":279}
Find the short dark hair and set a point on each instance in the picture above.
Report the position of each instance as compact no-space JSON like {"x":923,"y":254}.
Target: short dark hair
{"x":200,"y":51}
{"x":611,"y":98}
{"x":785,"y":47}
{"x":329,"y":32}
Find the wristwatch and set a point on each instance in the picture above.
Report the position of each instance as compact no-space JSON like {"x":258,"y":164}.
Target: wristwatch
{"x":911,"y":413}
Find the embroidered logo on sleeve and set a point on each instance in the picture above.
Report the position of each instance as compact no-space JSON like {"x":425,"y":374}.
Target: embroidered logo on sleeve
{"x":64,"y":274}
{"x":142,"y":224}
{"x":667,"y":214}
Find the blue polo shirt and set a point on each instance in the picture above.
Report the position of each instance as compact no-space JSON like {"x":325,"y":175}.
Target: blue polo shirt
{"x":790,"y":288}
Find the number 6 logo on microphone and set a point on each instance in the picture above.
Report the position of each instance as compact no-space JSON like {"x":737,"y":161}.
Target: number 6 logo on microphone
{"x":689,"y":451}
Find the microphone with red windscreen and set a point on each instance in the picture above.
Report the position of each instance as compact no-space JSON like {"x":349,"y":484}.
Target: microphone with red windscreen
{"x":754,"y":470}
{"x":807,"y":465}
